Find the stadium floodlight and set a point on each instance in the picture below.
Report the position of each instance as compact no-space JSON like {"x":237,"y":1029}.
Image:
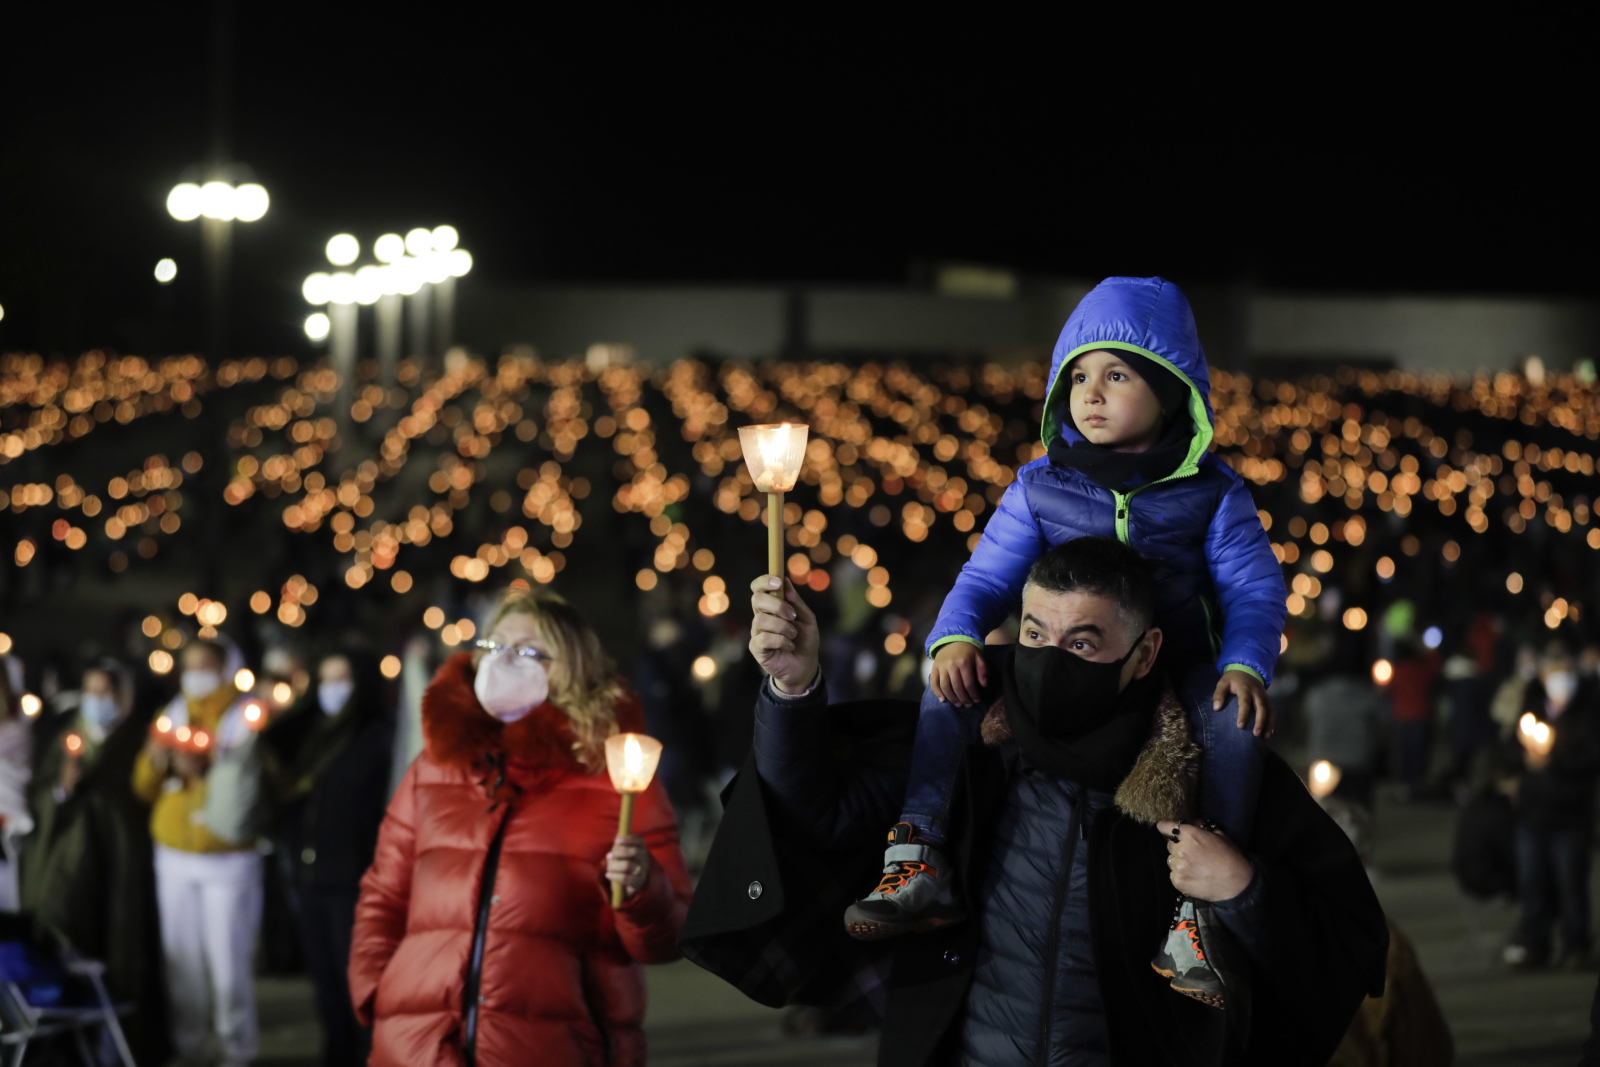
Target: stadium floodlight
{"x":316,"y":288}
{"x":389,"y":248}
{"x":445,"y":238}
{"x":343,"y":249}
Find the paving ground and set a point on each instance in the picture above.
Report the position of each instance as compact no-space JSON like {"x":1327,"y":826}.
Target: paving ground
{"x":1499,"y":1019}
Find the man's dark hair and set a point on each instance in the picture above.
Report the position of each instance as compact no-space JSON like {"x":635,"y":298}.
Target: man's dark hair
{"x":1100,"y":566}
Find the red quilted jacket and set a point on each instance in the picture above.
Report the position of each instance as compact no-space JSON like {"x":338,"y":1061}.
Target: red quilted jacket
{"x":559,"y":982}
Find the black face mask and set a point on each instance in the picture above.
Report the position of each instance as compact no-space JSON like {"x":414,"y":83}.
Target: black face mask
{"x":1066,"y":695}
{"x":1070,"y":720}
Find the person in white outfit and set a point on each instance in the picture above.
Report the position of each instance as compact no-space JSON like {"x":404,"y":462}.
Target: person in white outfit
{"x":208,"y":888}
{"x":16,"y":769}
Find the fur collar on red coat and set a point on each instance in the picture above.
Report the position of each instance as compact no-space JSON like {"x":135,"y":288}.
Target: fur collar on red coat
{"x":536,"y":749}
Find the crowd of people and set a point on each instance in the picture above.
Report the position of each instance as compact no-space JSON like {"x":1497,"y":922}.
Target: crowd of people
{"x":152,"y":830}
{"x":303,"y":797}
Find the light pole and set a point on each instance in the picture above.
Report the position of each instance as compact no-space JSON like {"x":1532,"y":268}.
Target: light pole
{"x":419,"y":242}
{"x":445,"y":240}
{"x":218,"y":205}
{"x":398,"y":274}
{"x":438,"y":258}
{"x":389,"y":250}
{"x":341,"y":292}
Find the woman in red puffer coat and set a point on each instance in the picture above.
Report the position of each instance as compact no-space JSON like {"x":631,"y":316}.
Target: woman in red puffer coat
{"x":485,"y":933}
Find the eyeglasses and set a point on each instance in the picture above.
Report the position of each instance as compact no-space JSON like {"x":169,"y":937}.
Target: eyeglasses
{"x":524,"y":651}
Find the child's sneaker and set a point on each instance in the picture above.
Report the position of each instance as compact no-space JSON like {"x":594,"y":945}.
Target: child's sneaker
{"x":916,"y":893}
{"x":1183,"y":959}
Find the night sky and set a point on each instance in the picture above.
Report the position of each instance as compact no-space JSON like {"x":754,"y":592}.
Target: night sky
{"x":642,"y":147}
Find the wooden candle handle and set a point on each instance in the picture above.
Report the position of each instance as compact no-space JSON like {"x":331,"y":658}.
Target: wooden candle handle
{"x":624,"y":828}
{"x":775,"y":534}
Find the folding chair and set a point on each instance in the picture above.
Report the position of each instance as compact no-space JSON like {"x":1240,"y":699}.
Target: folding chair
{"x":21,"y":1023}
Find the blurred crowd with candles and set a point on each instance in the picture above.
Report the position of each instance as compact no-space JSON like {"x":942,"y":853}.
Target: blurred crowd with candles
{"x":170,"y":519}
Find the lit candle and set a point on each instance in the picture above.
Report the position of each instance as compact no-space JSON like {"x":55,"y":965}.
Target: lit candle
{"x":1324,"y":778}
{"x":1536,"y":736}
{"x":774,"y":454}
{"x":255,"y":714}
{"x":631,"y":760}
{"x":180,"y":738}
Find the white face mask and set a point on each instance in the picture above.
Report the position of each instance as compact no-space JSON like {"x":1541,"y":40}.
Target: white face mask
{"x":199,"y":683}
{"x":1559,"y":687}
{"x":509,"y":686}
{"x":99,"y":710}
{"x":333,"y":696}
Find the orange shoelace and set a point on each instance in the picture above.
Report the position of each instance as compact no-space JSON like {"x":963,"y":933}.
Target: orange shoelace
{"x":894,"y":880}
{"x":1188,"y":927}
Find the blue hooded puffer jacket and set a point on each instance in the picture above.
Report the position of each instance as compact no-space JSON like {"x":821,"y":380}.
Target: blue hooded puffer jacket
{"x":1197,"y":527}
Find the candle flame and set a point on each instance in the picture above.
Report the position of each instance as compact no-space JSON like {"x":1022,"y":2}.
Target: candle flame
{"x":773,"y":453}
{"x":1324,"y":778}
{"x":631,"y":760}
{"x":1528,"y":723}
{"x":183,"y":734}
{"x":74,"y":743}
{"x":774,"y":445}
{"x":163,"y":725}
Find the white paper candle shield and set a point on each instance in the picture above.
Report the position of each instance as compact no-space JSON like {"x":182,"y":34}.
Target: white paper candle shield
{"x":631,"y":760}
{"x":774,"y":454}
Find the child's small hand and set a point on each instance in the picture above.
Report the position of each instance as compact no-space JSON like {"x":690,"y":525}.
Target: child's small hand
{"x":1252,"y":700}
{"x":959,"y":673}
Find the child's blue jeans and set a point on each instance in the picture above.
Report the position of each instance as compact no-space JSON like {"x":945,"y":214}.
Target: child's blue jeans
{"x":1230,"y":761}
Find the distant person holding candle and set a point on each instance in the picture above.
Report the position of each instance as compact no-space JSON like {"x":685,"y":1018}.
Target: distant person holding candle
{"x":87,"y":867}
{"x":16,"y":768}
{"x":328,"y":761}
{"x":1559,"y":742}
{"x":485,"y":933}
{"x":208,"y":888}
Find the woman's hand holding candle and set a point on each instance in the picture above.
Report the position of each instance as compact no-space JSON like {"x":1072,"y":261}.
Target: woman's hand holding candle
{"x":628,"y":865}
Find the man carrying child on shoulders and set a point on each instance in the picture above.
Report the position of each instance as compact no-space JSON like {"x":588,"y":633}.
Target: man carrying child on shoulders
{"x":1070,"y":839}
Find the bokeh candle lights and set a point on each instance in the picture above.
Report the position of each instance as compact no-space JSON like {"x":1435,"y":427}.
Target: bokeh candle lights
{"x":256,"y":715}
{"x":1536,"y":736}
{"x":631,"y":760}
{"x":773,"y":453}
{"x":1323,"y":779}
{"x":179,"y":737}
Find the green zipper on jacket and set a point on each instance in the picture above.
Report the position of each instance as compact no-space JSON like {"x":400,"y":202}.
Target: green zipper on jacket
{"x":1124,"y":500}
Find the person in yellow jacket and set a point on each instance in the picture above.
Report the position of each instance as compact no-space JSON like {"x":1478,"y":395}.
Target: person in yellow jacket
{"x":208,"y":890}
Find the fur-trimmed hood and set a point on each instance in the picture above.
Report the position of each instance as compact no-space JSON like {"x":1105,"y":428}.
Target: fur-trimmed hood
{"x":534,"y":750}
{"x":1166,"y":775}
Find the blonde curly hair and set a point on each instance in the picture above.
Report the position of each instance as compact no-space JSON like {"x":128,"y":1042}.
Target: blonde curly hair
{"x":583,"y":679}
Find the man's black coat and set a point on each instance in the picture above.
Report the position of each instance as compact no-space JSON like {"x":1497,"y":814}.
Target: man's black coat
{"x":767,"y":915}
